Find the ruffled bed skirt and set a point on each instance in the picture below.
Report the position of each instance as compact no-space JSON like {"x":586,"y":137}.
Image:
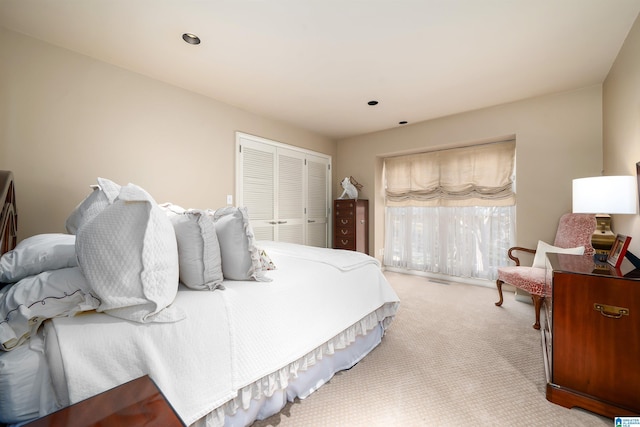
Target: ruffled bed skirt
{"x":274,"y":386}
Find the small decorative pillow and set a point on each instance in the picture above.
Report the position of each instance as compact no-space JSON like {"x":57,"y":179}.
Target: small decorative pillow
{"x":240,"y":258}
{"x":265,"y":261}
{"x":36,"y":254}
{"x":26,"y":304}
{"x":102,"y":196}
{"x":198,"y":250}
{"x":129,"y":255}
{"x":540,"y":258}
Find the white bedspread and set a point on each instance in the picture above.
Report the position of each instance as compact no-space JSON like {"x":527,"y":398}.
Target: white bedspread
{"x":231,"y":338}
{"x":341,"y":259}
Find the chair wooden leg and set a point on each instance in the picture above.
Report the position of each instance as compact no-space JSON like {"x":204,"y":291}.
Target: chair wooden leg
{"x":499,"y":285}
{"x":537,"y":305}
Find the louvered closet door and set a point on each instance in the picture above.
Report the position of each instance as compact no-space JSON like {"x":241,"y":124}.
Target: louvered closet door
{"x":318,"y":184}
{"x":290,"y":196}
{"x":286,"y":191}
{"x":258,"y":168}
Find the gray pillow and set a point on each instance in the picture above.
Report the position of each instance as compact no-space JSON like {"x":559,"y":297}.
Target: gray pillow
{"x":198,"y":250}
{"x":240,"y":257}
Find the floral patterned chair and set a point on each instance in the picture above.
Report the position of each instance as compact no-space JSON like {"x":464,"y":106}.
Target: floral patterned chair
{"x":574,"y":230}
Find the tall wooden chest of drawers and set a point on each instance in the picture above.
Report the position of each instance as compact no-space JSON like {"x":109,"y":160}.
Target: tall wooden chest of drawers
{"x":351,"y":225}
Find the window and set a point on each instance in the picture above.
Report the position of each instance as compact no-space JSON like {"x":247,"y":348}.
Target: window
{"x":451,"y":212}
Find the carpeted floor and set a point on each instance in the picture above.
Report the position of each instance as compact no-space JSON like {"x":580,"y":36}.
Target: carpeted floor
{"x":450,"y":358}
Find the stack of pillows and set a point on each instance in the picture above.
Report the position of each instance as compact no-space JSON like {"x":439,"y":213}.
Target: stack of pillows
{"x":124,"y":255}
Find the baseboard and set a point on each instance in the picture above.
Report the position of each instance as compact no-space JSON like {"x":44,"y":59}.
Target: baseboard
{"x":444,"y":277}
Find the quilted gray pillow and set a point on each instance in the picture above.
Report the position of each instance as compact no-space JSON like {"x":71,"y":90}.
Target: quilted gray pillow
{"x":198,"y":250}
{"x":240,"y":256}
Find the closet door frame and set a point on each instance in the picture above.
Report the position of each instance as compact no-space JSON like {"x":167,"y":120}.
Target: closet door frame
{"x":274,"y":147}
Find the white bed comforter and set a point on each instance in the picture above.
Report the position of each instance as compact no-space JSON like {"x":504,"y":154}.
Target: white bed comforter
{"x":237,"y":343}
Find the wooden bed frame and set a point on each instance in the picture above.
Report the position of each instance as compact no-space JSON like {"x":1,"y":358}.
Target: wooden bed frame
{"x":8,"y":215}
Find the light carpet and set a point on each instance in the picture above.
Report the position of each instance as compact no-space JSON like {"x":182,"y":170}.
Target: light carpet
{"x":451,"y":357}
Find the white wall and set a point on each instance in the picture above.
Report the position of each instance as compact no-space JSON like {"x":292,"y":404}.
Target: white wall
{"x":558,"y":138}
{"x":621,"y":105}
{"x":66,"y":119}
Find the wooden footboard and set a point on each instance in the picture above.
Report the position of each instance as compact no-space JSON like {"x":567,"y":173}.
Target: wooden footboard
{"x":8,"y":215}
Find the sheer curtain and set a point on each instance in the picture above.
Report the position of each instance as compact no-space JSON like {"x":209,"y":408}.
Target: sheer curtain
{"x":457,"y":241}
{"x":451,"y":212}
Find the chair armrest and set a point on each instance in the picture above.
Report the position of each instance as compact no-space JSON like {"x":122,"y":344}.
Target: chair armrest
{"x":518,"y":248}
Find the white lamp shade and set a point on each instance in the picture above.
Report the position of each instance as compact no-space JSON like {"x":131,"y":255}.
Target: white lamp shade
{"x":605,"y":195}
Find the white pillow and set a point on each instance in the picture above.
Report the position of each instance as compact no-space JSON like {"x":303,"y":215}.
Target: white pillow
{"x":26,"y":304}
{"x":240,"y":257}
{"x":129,"y":256}
{"x":102,"y":196}
{"x":540,"y":259}
{"x":36,"y":254}
{"x":198,"y":250}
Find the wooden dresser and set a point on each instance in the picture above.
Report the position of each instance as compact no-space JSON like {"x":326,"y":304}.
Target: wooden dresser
{"x":136,"y":403}
{"x":591,"y":335}
{"x":351,"y":225}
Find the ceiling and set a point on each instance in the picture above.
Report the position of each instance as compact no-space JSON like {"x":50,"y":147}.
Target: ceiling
{"x":316,"y":63}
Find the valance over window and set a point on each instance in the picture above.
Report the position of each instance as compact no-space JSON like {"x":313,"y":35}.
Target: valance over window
{"x":480,"y":175}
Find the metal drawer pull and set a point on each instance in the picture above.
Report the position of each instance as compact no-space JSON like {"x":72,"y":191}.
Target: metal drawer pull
{"x":344,"y":232}
{"x":311,"y":220}
{"x":273,"y":222}
{"x":344,"y":242}
{"x":611,"y":311}
{"x":282,"y":222}
{"x":344,"y":221}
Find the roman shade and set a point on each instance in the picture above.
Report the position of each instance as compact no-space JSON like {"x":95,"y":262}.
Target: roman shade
{"x":480,"y":175}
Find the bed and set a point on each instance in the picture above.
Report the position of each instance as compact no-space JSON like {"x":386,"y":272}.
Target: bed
{"x":229,"y":328}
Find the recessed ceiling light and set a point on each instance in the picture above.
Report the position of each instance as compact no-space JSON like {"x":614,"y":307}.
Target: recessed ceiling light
{"x":191,"y":38}
{"x":372,"y":102}
{"x":404,"y":122}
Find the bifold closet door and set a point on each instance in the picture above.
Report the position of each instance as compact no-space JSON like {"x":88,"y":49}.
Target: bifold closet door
{"x":286,"y":192}
{"x":257,"y":187}
{"x":318,"y":185}
{"x":290,"y":196}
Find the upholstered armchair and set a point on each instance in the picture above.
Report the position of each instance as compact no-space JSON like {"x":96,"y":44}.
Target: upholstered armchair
{"x":574,"y":230}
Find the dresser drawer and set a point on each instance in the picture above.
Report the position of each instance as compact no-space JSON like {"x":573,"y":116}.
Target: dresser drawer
{"x":345,"y":208}
{"x":345,"y":222}
{"x":344,"y":213}
{"x":344,"y":232}
{"x":341,"y":242}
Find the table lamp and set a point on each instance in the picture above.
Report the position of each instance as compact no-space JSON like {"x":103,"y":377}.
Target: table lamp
{"x":602,"y":196}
